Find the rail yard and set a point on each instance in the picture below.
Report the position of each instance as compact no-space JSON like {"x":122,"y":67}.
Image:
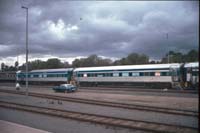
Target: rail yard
{"x":99,"y":66}
{"x":124,"y":111}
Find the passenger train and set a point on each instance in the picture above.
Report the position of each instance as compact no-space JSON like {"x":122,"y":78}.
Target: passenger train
{"x":150,"y":75}
{"x":7,"y":76}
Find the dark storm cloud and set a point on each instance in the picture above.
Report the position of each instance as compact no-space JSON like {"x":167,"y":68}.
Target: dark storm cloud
{"x":112,"y":29}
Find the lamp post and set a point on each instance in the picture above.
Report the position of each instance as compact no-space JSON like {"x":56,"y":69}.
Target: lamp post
{"x":26,"y":8}
{"x":168,"y":53}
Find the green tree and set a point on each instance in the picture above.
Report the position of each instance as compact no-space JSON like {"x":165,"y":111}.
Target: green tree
{"x":91,"y":61}
{"x":192,"y":56}
{"x":76,"y":63}
{"x":2,"y":66}
{"x":54,"y":63}
{"x":177,"y":57}
{"x":133,"y":59}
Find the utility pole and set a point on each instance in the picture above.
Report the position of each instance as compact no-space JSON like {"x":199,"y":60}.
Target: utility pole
{"x":26,"y":8}
{"x":168,"y":53}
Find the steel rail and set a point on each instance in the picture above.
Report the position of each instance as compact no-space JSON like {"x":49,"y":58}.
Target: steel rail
{"x":109,"y":104}
{"x":100,"y":119}
{"x":110,"y":89}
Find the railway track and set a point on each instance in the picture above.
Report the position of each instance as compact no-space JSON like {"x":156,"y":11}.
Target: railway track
{"x":109,"y":104}
{"x":105,"y":120}
{"x":118,"y":89}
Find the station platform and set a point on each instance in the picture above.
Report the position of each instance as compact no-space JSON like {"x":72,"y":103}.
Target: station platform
{"x":9,"y":127}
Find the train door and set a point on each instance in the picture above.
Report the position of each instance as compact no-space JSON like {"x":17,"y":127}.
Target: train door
{"x":192,"y":77}
{"x":195,"y":77}
{"x":175,"y":75}
{"x":183,"y":75}
{"x":69,"y":76}
{"x":72,"y":77}
{"x":76,"y":78}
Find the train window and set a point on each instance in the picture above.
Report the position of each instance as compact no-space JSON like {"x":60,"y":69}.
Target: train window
{"x":115,"y":74}
{"x":120,"y":74}
{"x":125,"y":74}
{"x":21,"y":76}
{"x":135,"y":74}
{"x":129,"y":74}
{"x":152,"y":73}
{"x":163,"y":74}
{"x":80,"y":75}
{"x":195,"y":73}
{"x":146,"y":73}
{"x":100,"y":75}
{"x":169,"y":73}
{"x":108,"y":74}
{"x":35,"y":76}
{"x":94,"y":74}
{"x":141,"y":74}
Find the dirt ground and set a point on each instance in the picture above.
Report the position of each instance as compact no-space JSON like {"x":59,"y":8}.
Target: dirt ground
{"x":187,"y":103}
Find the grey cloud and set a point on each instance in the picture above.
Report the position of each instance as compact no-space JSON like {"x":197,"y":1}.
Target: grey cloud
{"x":111,"y":29}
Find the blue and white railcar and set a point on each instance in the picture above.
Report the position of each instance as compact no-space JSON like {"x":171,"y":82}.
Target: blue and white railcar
{"x":150,"y":74}
{"x":46,"y":75}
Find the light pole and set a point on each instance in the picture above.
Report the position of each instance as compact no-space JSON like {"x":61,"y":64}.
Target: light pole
{"x":168,"y":53}
{"x":26,"y":8}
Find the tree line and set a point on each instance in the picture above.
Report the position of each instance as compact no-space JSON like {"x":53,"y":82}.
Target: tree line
{"x":95,"y":60}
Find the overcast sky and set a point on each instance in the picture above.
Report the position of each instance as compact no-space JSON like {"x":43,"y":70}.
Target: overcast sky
{"x":74,"y":29}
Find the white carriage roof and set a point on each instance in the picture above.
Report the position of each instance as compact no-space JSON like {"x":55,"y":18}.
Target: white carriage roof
{"x":18,"y":71}
{"x":52,"y":70}
{"x":126,"y":67}
{"x":193,"y":64}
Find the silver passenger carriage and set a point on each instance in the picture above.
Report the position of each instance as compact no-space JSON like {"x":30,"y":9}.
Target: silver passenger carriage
{"x":151,"y":75}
